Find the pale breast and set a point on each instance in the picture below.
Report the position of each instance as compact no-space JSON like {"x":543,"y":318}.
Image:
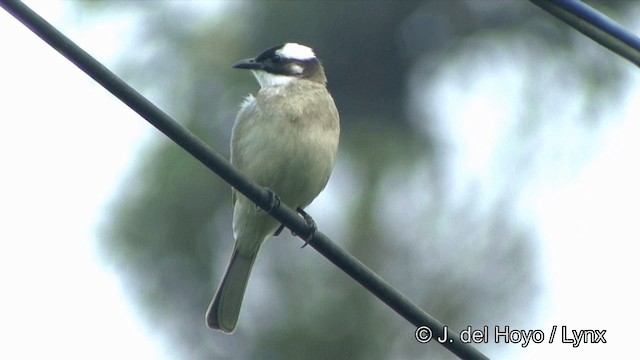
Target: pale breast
{"x":287,"y":142}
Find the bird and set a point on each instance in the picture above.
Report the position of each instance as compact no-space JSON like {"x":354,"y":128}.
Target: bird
{"x":286,"y":139}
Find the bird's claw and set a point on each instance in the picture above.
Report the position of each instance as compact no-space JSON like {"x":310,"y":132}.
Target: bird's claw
{"x":307,"y":218}
{"x":310,"y":222}
{"x":274,"y":202}
{"x":279,"y":230}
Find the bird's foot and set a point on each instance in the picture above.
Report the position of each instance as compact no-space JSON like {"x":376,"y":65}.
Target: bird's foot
{"x":310,"y":222}
{"x":274,"y":202}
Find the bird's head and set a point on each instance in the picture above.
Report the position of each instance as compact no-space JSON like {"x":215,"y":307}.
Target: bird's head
{"x":283,"y":64}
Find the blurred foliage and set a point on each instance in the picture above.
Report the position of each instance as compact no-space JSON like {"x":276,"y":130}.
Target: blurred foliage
{"x":169,"y":232}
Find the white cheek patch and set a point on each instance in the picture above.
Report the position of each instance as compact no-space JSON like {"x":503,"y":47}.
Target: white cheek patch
{"x":296,"y":51}
{"x":266,"y":79}
{"x":296,"y":69}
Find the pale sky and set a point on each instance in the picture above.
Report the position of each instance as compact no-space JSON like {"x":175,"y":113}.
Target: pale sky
{"x":586,"y":216}
{"x":66,"y":142}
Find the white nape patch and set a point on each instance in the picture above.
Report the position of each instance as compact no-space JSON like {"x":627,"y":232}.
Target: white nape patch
{"x":296,"y":51}
{"x":266,"y":79}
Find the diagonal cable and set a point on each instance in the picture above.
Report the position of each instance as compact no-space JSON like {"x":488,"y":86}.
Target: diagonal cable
{"x":596,"y":26}
{"x":201,"y":151}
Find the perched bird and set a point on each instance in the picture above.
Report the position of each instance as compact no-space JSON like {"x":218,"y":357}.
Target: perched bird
{"x":286,"y":139}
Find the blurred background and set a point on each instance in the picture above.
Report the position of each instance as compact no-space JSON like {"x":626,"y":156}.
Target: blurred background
{"x":485,"y":170}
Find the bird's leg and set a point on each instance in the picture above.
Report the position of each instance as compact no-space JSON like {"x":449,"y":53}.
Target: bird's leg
{"x":310,"y":222}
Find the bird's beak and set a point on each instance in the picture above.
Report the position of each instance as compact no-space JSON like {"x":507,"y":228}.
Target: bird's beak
{"x":250,"y":64}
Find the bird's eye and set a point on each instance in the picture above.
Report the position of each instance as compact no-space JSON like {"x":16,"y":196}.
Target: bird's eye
{"x":276,"y":59}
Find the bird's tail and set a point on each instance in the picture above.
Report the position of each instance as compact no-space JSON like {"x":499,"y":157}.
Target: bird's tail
{"x":225,"y":307}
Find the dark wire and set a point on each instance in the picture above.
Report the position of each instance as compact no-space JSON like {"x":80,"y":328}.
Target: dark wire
{"x":595,"y":25}
{"x":196,"y":147}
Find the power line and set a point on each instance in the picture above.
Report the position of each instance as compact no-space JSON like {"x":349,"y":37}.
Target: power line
{"x":595,"y":25}
{"x":201,"y":151}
